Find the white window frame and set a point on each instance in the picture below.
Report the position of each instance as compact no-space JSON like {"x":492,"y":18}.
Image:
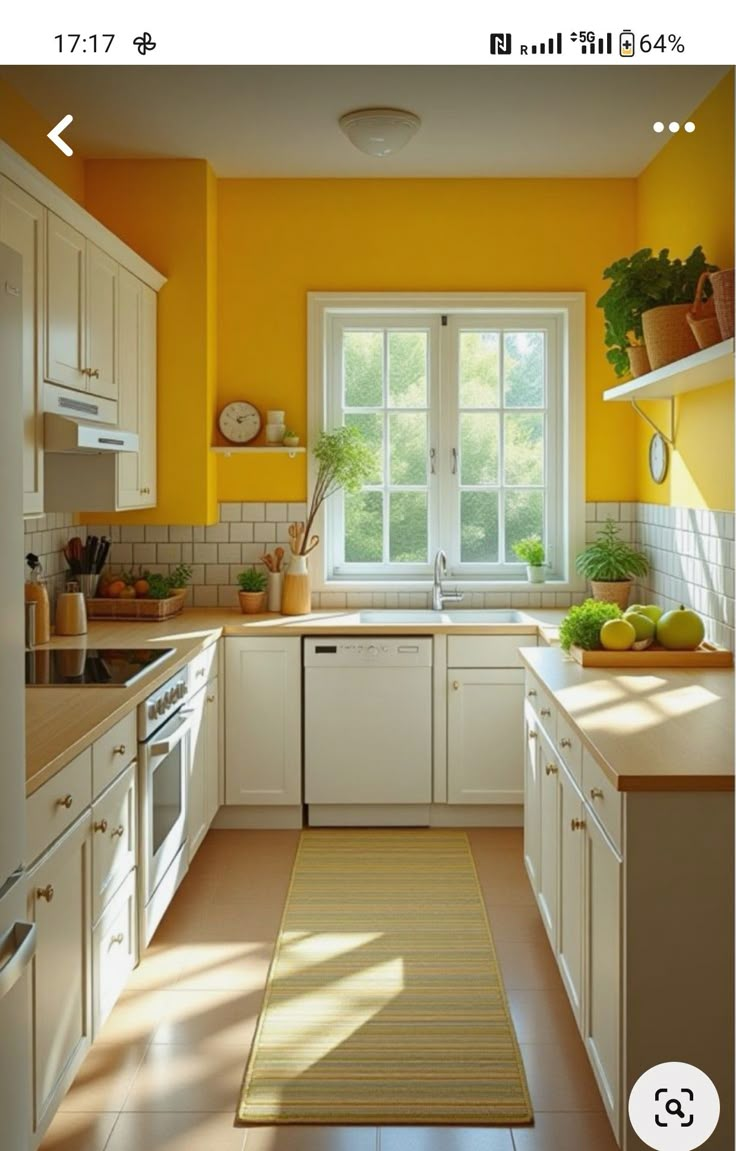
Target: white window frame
{"x":567,"y":311}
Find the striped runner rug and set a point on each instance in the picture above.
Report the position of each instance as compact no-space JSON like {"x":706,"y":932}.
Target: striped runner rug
{"x":384,"y":1003}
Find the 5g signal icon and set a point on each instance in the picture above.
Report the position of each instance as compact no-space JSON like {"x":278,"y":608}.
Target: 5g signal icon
{"x":500,"y":43}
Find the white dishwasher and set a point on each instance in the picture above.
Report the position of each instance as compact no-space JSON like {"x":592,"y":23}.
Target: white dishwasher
{"x":367,"y":727}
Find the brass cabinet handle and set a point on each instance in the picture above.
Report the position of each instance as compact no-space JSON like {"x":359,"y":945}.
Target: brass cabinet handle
{"x":577,"y":824}
{"x":117,"y":938}
{"x":46,"y":892}
{"x":119,"y":750}
{"x":596,"y":793}
{"x":531,"y":692}
{"x":93,"y":373}
{"x":564,"y":742}
{"x":101,"y":826}
{"x":456,"y":685}
{"x":119,"y":830}
{"x":210,"y":699}
{"x":545,"y":711}
{"x":532,"y":735}
{"x":145,"y":491}
{"x":66,"y":802}
{"x":550,"y":769}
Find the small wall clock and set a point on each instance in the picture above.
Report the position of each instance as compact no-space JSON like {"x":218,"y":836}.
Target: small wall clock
{"x":658,"y":458}
{"x":239,"y":422}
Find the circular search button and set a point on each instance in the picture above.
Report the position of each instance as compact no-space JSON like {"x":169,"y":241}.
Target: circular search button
{"x":674,"y":1107}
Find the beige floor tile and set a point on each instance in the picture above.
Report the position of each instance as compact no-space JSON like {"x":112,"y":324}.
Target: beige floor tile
{"x":134,"y":1017}
{"x":224,"y":966}
{"x":190,"y":1077}
{"x":209,"y":1017}
{"x":584,"y":1131}
{"x":527,"y":964}
{"x":104,"y":1079}
{"x":496,"y":839}
{"x":559,"y":1077}
{"x":542,"y":1015}
{"x":74,"y":1132}
{"x":177,"y":1131}
{"x":311,"y":1139}
{"x":515,"y":921}
{"x":445,"y":1139}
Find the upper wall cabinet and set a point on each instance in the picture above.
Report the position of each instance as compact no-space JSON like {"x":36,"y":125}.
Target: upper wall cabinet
{"x":22,"y":227}
{"x":81,"y":314}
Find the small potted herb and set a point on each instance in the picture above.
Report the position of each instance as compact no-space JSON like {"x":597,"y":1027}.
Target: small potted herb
{"x":582,"y":624}
{"x":252,"y":594}
{"x":610,"y":564}
{"x":291,"y":439}
{"x":531,"y":551}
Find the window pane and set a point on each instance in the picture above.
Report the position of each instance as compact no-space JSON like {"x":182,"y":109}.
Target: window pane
{"x":408,"y":536}
{"x":363,"y":369}
{"x":523,"y":448}
{"x":408,"y":448}
{"x":523,"y":369}
{"x":407,"y":369}
{"x":479,"y":369}
{"x":479,"y":527}
{"x":524,"y":517}
{"x":364,"y":527}
{"x":479,"y":448}
{"x":370,"y":424}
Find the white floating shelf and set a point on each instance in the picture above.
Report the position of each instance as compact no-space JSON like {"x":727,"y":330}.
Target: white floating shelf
{"x":703,"y":369}
{"x":245,"y":451}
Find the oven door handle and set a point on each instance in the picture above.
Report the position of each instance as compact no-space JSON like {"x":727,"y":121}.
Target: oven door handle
{"x":167,"y":745}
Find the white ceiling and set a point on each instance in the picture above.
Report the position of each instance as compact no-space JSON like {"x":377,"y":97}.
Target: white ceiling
{"x":282,"y":121}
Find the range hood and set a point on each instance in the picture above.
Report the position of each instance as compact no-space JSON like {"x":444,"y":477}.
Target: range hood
{"x":66,"y":434}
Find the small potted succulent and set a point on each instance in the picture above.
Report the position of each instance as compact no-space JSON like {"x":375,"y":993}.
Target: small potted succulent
{"x":610,"y":564}
{"x":252,"y":594}
{"x":531,"y":551}
{"x":291,"y":439}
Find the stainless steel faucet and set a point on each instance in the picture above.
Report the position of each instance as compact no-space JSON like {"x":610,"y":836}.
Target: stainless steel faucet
{"x":439,"y":597}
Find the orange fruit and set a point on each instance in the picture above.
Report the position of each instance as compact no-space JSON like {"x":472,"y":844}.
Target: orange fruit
{"x":127,"y":592}
{"x":115,"y":589}
{"x":141,"y":587}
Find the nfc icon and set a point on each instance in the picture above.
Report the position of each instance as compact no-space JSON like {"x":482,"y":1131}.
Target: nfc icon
{"x":500,"y":43}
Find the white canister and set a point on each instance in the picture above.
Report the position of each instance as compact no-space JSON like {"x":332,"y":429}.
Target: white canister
{"x":275,"y":433}
{"x":275,"y":587}
{"x":275,"y":417}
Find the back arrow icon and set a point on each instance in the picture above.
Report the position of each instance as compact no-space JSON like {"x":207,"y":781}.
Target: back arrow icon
{"x":55,"y":136}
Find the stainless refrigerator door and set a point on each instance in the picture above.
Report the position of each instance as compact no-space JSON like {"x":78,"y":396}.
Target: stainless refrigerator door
{"x":12,"y":690}
{"x":17,"y":945}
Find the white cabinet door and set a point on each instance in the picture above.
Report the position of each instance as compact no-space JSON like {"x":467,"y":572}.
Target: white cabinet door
{"x":59,"y":903}
{"x":114,"y":950}
{"x":549,"y":845}
{"x":485,"y":759}
{"x":570,"y":912}
{"x":65,"y":301}
{"x":101,"y":276}
{"x":602,"y":1023}
{"x":263,"y":721}
{"x":531,"y":798}
{"x":136,"y":487}
{"x":196,"y":819}
{"x":114,"y":838}
{"x":23,"y":227}
{"x":212,"y":746}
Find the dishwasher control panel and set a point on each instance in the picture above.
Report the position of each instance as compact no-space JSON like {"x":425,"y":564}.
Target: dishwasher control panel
{"x":371,"y":651}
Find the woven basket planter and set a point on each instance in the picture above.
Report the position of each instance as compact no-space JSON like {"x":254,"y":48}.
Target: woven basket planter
{"x":638,"y":360}
{"x":702,"y":317}
{"x":723,"y":297}
{"x":667,"y":334}
{"x":614,"y":592}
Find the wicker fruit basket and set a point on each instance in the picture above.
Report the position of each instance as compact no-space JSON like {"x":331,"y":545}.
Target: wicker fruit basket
{"x":137,"y":608}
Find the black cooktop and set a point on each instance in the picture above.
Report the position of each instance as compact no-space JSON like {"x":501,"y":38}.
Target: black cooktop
{"x":90,"y":666}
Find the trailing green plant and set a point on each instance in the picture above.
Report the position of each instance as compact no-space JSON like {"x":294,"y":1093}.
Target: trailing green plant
{"x":640,"y":282}
{"x":252,"y":579}
{"x":531,"y":551}
{"x":344,"y":460}
{"x":610,"y":559}
{"x":582,"y":624}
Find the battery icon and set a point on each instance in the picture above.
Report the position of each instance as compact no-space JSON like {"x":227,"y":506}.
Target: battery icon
{"x":626,"y":43}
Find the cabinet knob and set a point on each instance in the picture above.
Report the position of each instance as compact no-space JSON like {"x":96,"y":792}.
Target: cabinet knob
{"x":200,"y":671}
{"x":66,"y":802}
{"x":545,"y":711}
{"x":94,"y":373}
{"x":532,"y":735}
{"x":565,"y":742}
{"x":119,"y":750}
{"x":456,"y":685}
{"x":596,"y":793}
{"x":119,"y":830}
{"x":46,"y":892}
{"x":117,"y":938}
{"x":210,"y":699}
{"x":101,"y":826}
{"x":577,"y":824}
{"x":531,"y":692}
{"x":550,"y":769}
{"x":145,"y":491}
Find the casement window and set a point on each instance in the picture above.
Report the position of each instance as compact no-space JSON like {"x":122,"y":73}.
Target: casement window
{"x":473,"y":408}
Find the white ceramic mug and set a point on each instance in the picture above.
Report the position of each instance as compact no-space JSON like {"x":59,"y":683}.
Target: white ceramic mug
{"x":275,"y":417}
{"x":275,"y":433}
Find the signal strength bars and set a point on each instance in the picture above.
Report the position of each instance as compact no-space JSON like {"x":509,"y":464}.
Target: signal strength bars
{"x":591,"y":49}
{"x":554,"y":44}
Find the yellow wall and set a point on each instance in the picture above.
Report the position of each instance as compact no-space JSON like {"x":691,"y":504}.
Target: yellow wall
{"x":686,"y":197}
{"x":279,"y":239}
{"x":24,"y":129}
{"x":165,"y":210}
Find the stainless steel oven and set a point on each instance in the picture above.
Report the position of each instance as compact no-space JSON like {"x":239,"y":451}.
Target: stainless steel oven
{"x":164,"y":757}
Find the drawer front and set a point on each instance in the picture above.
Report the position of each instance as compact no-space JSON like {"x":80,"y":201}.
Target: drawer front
{"x":56,"y":805}
{"x":542,"y":704}
{"x":602,"y":797}
{"x":114,"y":951}
{"x":113,"y":839}
{"x":112,"y":752}
{"x":202,"y":668}
{"x":569,"y":748}
{"x":486,"y":650}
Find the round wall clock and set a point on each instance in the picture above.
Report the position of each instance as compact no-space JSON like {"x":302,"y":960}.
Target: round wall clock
{"x":239,"y":422}
{"x":658,"y":458}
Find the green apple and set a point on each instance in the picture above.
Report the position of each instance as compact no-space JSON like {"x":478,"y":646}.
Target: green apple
{"x":643,"y":625}
{"x":617,"y":635}
{"x":680,"y":629}
{"x":652,"y":610}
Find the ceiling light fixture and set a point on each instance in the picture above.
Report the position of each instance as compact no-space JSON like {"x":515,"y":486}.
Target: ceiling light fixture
{"x":379,"y":131}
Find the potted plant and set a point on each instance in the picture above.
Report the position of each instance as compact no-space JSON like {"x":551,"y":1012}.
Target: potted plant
{"x":291,"y":439}
{"x":252,"y":594}
{"x":610,"y":563}
{"x":531,"y":551}
{"x":642,"y":284}
{"x":344,"y":460}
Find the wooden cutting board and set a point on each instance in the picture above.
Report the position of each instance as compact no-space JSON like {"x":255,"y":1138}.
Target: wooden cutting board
{"x":706,"y":655}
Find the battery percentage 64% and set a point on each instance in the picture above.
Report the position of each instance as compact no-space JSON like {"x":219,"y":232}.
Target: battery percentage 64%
{"x":661,"y":43}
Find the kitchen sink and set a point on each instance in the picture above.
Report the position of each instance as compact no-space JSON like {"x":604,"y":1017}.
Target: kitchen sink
{"x":419,"y":616}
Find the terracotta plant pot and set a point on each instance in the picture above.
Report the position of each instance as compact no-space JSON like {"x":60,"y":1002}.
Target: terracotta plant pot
{"x":615,"y":591}
{"x":639,"y":360}
{"x":252,"y":602}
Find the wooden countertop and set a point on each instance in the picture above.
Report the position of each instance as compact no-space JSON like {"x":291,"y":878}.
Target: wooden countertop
{"x":659,"y":729}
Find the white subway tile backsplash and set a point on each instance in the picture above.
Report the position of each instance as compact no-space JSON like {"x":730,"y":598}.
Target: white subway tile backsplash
{"x":205,"y":596}
{"x":132,"y":533}
{"x":205,"y":553}
{"x":264,"y":532}
{"x":157,"y":535}
{"x":296,"y":513}
{"x":216,"y":574}
{"x":180,"y":534}
{"x":241,"y":533}
{"x":230,"y":513}
{"x":229,"y":553}
{"x":606,"y":511}
{"x":168,"y":553}
{"x":217,"y":534}
{"x":254,"y":511}
{"x":144,"y":553}
{"x":276,"y":511}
